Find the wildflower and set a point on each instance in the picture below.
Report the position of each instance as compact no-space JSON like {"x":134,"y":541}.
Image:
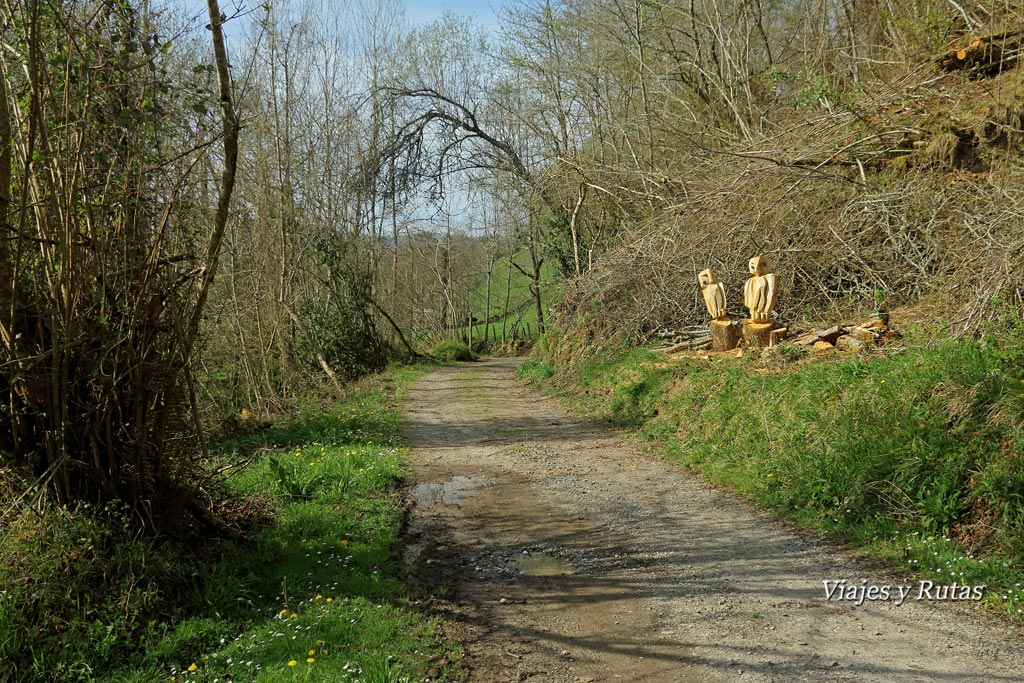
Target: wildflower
{"x":292,"y":662}
{"x":192,"y":666}
{"x":330,"y":599}
{"x":321,"y":642}
{"x":293,"y":615}
{"x":770,"y":474}
{"x":309,"y":660}
{"x":312,"y":652}
{"x":318,"y":596}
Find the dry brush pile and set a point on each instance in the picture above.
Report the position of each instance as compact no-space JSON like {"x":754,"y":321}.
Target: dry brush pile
{"x":910,"y":190}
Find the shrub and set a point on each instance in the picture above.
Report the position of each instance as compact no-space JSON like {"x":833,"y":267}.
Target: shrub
{"x":451,"y":350}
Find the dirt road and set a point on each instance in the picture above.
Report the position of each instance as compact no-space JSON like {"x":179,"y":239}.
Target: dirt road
{"x":569,"y":556}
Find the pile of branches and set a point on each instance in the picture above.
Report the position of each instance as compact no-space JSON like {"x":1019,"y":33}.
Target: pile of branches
{"x":855,"y":208}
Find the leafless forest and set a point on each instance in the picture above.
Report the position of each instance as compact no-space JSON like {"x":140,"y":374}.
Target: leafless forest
{"x":197,"y":227}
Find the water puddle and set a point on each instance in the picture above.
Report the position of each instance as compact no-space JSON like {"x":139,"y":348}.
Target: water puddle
{"x":448,"y":493}
{"x":539,"y":564}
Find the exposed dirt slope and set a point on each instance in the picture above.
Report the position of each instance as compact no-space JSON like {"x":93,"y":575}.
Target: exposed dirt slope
{"x":570,"y":556}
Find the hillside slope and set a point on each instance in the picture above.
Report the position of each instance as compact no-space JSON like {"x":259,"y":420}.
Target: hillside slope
{"x":895,"y":193}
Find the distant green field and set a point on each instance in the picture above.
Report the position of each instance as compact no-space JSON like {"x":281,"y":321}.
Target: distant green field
{"x":522,"y":311}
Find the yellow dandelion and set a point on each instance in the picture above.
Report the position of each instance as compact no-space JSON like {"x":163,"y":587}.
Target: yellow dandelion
{"x":309,"y":660}
{"x":318,"y":596}
{"x":321,"y":642}
{"x":330,"y":599}
{"x":293,"y":615}
{"x":312,"y":652}
{"x":282,"y":612}
{"x":344,"y":541}
{"x":292,"y":662}
{"x":192,"y":666}
{"x":770,"y":474}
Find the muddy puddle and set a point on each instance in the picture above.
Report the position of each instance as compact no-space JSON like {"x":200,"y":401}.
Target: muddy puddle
{"x":449,"y":493}
{"x":539,"y":564}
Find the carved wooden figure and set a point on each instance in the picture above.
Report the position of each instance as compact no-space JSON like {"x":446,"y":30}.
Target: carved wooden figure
{"x":724,"y":334}
{"x":714,"y":294}
{"x":759,"y":293}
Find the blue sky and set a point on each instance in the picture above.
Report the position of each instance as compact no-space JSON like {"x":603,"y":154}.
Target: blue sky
{"x":423,"y":11}
{"x":417,"y":12}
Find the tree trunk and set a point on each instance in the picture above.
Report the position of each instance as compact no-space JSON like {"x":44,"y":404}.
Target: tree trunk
{"x":758,"y":335}
{"x":725,"y":335}
{"x":230,"y":130}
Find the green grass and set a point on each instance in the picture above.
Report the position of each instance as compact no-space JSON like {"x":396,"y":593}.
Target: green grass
{"x":917,"y":457}
{"x":320,"y":578}
{"x":520,"y":297}
{"x":536,"y":372}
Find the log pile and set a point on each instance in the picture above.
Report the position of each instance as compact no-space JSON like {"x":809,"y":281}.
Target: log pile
{"x":841,"y":337}
{"x":985,"y":56}
{"x":689,"y":339}
{"x":848,"y":337}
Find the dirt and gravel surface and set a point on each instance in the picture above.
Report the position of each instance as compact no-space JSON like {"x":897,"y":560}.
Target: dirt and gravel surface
{"x":566,"y":554}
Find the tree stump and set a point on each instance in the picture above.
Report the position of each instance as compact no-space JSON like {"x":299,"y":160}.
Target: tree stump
{"x":725,"y":335}
{"x":758,"y":335}
{"x":777,"y":335}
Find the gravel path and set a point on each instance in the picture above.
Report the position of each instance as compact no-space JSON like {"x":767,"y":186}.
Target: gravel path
{"x":569,"y":556}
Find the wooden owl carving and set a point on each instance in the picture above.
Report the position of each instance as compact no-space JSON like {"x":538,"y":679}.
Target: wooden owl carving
{"x":714,"y":294}
{"x":760,"y":292}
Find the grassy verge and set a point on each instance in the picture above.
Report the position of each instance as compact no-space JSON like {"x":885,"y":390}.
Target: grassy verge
{"x":917,"y":457}
{"x":315,"y":595}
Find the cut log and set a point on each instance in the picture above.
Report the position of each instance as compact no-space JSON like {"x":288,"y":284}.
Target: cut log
{"x":778,"y":335}
{"x":725,"y":335}
{"x":758,"y":335}
{"x":811,"y":338}
{"x":822,"y":347}
{"x":864,"y":335}
{"x":849,"y":343}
